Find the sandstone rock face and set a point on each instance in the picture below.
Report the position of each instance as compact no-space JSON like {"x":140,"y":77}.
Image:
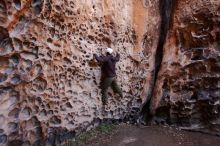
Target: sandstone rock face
{"x":49,"y":87}
{"x":49,"y":84}
{"x":187,"y":91}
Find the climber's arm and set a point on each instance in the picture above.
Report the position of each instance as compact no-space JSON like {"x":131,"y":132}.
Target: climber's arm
{"x":117,"y":58}
{"x":101,"y":58}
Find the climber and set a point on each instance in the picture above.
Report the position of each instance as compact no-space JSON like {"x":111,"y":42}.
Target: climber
{"x":108,"y":73}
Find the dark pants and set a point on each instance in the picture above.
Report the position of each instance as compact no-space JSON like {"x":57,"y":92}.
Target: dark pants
{"x":105,"y":84}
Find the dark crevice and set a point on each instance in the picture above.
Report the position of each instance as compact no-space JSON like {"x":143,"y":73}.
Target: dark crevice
{"x":17,"y":4}
{"x":36,"y":2}
{"x":37,"y":5}
{"x":166,"y":11}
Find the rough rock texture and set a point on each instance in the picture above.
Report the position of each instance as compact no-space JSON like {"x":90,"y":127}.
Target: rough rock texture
{"x":187,"y":91}
{"x":49,"y":85}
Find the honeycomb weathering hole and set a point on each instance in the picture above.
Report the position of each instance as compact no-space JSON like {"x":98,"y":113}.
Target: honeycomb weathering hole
{"x":36,"y":2}
{"x":47,"y":69}
{"x":37,"y":86}
{"x":3,"y":77}
{"x":17,"y":4}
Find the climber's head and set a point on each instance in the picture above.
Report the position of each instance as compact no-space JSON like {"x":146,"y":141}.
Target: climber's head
{"x":109,"y":51}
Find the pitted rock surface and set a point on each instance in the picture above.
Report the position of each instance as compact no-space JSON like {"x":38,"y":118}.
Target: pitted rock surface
{"x":49,"y":84}
{"x":187,"y":90}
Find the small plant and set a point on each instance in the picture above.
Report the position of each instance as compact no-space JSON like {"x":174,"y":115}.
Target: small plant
{"x":85,"y":136}
{"x":70,"y":143}
{"x":105,"y":128}
{"x":89,"y":135}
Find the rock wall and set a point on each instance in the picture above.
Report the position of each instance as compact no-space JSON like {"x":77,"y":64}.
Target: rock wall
{"x":187,"y":90}
{"x":49,"y":85}
{"x":49,"y":82}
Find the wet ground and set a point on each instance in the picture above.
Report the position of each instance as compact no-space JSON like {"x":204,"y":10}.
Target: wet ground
{"x":126,"y":135}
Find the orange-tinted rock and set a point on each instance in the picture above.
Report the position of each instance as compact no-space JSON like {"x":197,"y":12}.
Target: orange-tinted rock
{"x":49,"y":86}
{"x":187,"y":90}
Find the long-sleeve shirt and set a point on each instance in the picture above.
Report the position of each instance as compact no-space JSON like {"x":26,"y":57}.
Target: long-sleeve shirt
{"x":108,"y":64}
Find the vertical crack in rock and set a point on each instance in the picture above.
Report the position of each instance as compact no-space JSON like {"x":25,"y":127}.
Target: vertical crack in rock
{"x":186,"y":93}
{"x":166,"y":9}
{"x":49,"y":89}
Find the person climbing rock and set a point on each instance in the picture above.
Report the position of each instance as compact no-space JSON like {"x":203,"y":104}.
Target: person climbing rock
{"x":108,"y":79}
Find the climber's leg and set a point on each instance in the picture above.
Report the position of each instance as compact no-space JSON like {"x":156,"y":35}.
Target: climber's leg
{"x":116,"y":88}
{"x":106,"y":82}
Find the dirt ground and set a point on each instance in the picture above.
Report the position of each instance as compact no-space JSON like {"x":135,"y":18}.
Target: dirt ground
{"x":126,"y":135}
